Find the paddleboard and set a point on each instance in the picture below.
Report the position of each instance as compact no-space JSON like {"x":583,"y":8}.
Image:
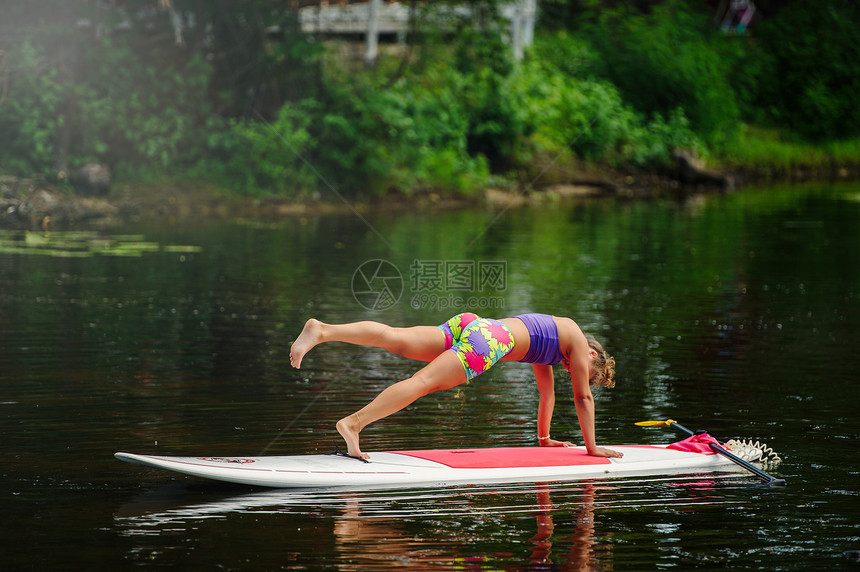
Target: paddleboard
{"x":438,"y":466}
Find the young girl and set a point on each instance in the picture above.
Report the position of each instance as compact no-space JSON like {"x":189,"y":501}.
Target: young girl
{"x":466,"y":346}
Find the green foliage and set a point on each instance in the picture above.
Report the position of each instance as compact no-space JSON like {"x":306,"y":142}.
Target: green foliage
{"x":667,"y":59}
{"x":409,"y":135}
{"x":141,"y":109}
{"x":812,"y":77}
{"x":770,"y":148}
{"x":569,"y":109}
{"x":129,"y":96}
{"x":260,"y":57}
{"x":247,"y":104}
{"x":118,"y":105}
{"x":567,"y":53}
{"x":259,"y":157}
{"x":496,"y":122}
{"x":29,"y":112}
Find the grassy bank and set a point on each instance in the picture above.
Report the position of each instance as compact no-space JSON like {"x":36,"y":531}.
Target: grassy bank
{"x":772,"y":151}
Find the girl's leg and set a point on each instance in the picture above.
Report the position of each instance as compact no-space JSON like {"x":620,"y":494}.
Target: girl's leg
{"x":422,"y":343}
{"x":444,"y":372}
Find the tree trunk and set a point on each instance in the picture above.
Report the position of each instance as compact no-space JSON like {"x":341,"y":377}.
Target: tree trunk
{"x":374,"y":7}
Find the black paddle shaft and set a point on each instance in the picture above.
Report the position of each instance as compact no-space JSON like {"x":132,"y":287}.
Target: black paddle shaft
{"x":772,"y":481}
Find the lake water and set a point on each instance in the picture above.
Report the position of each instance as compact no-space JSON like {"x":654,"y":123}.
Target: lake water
{"x":736,"y":313}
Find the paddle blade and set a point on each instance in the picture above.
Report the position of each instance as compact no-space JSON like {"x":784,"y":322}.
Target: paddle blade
{"x":655,"y":423}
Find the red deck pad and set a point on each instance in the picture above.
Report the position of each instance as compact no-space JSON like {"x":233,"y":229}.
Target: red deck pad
{"x":506,"y":457}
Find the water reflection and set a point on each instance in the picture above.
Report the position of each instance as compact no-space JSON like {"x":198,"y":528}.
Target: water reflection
{"x":581,"y":554}
{"x":534,"y":525}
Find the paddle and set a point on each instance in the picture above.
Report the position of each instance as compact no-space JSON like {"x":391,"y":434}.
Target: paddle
{"x":772,"y":481}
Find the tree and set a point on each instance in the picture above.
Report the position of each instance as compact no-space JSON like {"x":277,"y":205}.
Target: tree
{"x":812,"y":76}
{"x":141,"y":81}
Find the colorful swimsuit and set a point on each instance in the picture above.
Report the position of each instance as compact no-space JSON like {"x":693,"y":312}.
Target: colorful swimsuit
{"x":478,"y":342}
{"x":543,"y":339}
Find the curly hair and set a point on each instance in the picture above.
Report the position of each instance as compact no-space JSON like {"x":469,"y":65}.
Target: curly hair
{"x":602,"y":365}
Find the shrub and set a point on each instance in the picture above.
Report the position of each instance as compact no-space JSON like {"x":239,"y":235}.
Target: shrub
{"x":813,"y":76}
{"x":259,"y":157}
{"x":664,"y":60}
{"x":29,"y":113}
{"x":570,"y":110}
{"x":409,"y":134}
{"x":119,"y":108}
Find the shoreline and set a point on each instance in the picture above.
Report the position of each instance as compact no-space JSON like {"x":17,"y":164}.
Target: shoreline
{"x":35,"y":204}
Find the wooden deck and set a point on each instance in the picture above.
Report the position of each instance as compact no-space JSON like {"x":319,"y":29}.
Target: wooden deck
{"x":393,"y":18}
{"x":372,"y":19}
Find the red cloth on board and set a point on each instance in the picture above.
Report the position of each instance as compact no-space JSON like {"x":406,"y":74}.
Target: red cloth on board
{"x":696,"y":444}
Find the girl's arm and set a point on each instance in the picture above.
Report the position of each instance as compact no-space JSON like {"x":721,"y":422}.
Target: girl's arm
{"x":546,"y":388}
{"x":584,"y":401}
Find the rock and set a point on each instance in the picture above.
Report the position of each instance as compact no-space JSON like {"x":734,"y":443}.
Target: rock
{"x":691,"y":171}
{"x":31,"y":203}
{"x":92,"y":179}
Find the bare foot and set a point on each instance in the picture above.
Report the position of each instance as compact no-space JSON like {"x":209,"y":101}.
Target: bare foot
{"x":309,"y":337}
{"x":348,"y":428}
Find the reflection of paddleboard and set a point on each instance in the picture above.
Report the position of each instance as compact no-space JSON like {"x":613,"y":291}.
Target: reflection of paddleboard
{"x":438,"y":467}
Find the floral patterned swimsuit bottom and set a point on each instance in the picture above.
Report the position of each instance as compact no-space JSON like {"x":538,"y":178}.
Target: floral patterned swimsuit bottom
{"x":478,"y":342}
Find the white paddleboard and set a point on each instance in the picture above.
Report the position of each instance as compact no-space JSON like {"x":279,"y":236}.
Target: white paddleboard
{"x":438,"y":466}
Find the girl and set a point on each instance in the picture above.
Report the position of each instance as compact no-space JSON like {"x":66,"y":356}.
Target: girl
{"x":466,"y":346}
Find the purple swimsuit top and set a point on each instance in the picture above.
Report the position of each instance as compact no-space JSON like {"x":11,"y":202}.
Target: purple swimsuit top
{"x":543,"y":343}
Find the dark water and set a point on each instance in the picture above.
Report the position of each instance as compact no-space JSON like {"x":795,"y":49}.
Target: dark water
{"x":737,"y":314}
